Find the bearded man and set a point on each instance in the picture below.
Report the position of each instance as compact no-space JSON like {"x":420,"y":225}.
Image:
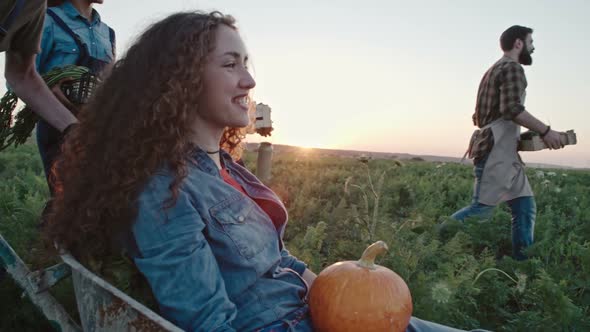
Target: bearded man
{"x":499,"y":113}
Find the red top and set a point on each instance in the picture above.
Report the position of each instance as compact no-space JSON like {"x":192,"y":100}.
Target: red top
{"x":231,"y":181}
{"x":267,"y":206}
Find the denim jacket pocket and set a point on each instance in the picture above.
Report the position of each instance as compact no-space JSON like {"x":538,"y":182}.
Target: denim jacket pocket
{"x":67,"y":48}
{"x":248,"y":227}
{"x":64,"y":53}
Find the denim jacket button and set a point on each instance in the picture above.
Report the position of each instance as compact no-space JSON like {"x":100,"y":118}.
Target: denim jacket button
{"x":240,"y":218}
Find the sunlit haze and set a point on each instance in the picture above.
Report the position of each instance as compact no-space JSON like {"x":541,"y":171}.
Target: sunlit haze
{"x":394,"y":76}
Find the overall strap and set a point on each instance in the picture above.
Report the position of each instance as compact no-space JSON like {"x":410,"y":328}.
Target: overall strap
{"x":113,"y":40}
{"x":66,"y":28}
{"x":18,"y":6}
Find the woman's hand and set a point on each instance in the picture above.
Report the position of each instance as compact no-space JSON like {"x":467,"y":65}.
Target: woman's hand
{"x":309,"y":277}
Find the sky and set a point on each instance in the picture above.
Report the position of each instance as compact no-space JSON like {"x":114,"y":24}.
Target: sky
{"x":394,"y":76}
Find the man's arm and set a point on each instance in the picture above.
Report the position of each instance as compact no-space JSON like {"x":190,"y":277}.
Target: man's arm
{"x":28,"y":85}
{"x":552,"y":138}
{"x":511,"y":107}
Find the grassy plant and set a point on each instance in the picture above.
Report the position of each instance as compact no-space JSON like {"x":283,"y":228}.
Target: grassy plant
{"x":453,"y":276}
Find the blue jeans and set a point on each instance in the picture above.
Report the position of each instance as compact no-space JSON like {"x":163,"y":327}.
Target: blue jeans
{"x":523,"y":210}
{"x":48,"y":142}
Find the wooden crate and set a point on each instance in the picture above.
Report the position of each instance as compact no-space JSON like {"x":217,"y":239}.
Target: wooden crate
{"x":536,"y":143}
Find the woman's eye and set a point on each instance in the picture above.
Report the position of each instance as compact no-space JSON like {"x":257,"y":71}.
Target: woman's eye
{"x":230,"y":65}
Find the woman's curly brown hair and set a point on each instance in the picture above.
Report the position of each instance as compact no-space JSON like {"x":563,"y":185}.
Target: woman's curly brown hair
{"x":138,"y":122}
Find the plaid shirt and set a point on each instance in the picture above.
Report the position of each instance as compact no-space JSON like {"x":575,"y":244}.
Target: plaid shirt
{"x":499,"y":95}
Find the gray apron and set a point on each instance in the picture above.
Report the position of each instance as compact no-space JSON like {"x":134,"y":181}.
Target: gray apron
{"x":504,"y":175}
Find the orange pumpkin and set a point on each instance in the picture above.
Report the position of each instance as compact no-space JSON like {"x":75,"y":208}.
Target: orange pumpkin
{"x":360,"y":296}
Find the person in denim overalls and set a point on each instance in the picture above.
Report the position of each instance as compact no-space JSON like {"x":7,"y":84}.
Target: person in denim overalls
{"x":73,"y":34}
{"x":21,"y":25}
{"x":151,"y":169}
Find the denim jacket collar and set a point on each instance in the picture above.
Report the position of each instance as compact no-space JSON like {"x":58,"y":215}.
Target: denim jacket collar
{"x":204,"y":162}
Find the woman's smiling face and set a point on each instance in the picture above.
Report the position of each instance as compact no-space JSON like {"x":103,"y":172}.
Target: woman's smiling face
{"x":225,"y":100}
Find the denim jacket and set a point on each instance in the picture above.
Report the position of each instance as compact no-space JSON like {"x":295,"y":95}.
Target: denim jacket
{"x":214,"y":260}
{"x":58,"y":48}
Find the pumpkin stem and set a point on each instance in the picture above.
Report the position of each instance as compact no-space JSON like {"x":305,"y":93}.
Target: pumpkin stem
{"x":368,"y":258}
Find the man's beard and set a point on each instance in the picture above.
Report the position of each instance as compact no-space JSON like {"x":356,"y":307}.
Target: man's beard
{"x":525,"y":58}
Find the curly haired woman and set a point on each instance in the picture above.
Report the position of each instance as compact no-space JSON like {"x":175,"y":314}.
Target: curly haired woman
{"x":147,"y":171}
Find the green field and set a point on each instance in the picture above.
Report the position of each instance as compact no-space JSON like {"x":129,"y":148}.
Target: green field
{"x":460,"y":275}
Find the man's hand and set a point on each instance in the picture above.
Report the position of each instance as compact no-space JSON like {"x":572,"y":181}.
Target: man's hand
{"x":553,"y":140}
{"x":69,"y":129}
{"x":309,"y":277}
